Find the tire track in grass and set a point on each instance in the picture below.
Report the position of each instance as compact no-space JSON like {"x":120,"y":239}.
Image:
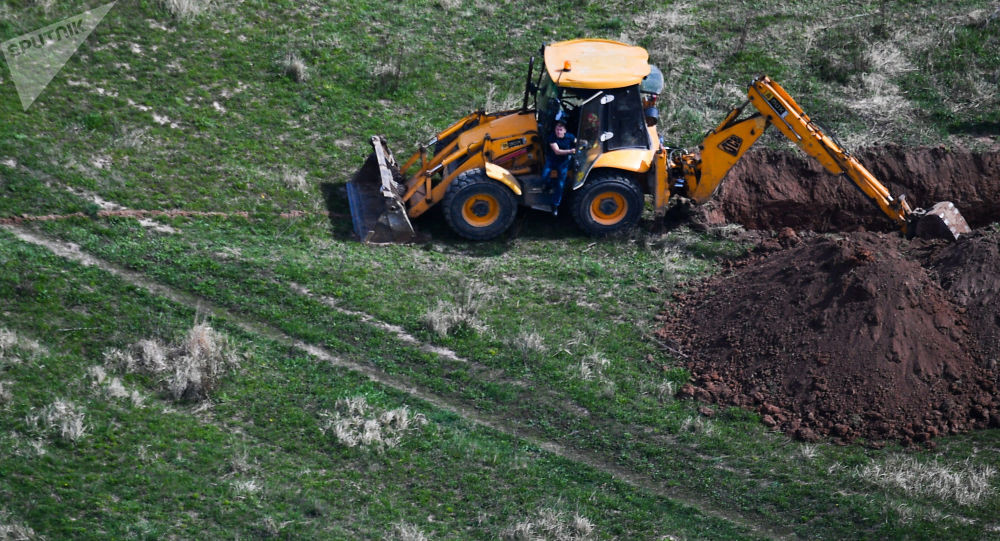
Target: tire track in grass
{"x":395,"y":330}
{"x":143,"y":215}
{"x":109,"y":209}
{"x":593,"y":460}
{"x":496,"y":375}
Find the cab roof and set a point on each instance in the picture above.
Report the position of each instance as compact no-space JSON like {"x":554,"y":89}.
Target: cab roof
{"x":596,"y":63}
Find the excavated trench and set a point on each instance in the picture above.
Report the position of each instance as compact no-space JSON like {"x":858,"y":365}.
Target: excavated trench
{"x":857,"y":335}
{"x":768,"y":190}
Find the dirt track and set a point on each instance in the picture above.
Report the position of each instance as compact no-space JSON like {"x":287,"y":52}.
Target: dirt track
{"x":510,"y":426}
{"x":859,"y":335}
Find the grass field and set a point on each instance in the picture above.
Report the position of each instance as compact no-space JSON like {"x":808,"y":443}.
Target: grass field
{"x":445,"y":390}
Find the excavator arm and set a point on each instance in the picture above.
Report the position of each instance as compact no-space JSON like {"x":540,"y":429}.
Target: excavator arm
{"x":698,"y":176}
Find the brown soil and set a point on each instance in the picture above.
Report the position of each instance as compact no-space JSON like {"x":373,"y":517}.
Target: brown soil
{"x":863,"y":335}
{"x":773,"y":189}
{"x":970,"y":271}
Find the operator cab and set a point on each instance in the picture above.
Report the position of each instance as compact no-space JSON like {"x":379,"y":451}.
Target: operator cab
{"x":613,"y":118}
{"x":601,"y":89}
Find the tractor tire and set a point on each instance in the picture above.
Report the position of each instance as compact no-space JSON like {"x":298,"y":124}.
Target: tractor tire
{"x":477,"y":207}
{"x":608,"y":203}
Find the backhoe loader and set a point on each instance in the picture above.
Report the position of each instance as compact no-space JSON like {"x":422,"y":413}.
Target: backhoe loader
{"x":485,"y":166}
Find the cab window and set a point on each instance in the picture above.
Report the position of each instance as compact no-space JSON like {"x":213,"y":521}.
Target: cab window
{"x":548,"y":103}
{"x":625,"y":120}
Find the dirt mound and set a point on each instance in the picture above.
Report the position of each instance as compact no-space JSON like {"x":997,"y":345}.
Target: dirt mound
{"x":864,"y":336}
{"x":970,"y":271}
{"x":771,"y":189}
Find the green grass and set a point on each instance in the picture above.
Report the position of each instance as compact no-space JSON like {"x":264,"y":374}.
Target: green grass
{"x":235,"y":134}
{"x":625,"y":421}
{"x":172,"y":469}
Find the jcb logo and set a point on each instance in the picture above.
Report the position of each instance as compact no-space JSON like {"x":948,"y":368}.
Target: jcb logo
{"x":731,"y":145}
{"x":512,"y":143}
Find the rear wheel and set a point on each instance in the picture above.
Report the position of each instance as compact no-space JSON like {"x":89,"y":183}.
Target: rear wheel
{"x":609,"y":202}
{"x":477,"y":207}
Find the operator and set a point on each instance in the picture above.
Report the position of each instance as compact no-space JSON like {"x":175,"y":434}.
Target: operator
{"x":558,"y":157}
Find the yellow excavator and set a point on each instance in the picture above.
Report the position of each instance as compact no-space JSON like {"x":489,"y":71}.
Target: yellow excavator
{"x":486,"y":166}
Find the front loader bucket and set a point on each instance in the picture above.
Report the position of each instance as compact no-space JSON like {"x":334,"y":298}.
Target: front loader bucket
{"x":942,"y":221}
{"x":375,"y":196}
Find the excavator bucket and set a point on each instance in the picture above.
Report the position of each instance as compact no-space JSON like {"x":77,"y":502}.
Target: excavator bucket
{"x":375,"y":195}
{"x":942,"y":221}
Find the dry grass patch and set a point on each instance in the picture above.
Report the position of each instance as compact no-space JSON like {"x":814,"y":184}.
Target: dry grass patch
{"x":14,"y":347}
{"x":665,"y":27}
{"x":61,"y":419}
{"x":527,"y":343}
{"x":964,"y":483}
{"x":188,"y":370}
{"x":904,"y":513}
{"x":882,"y":104}
{"x":293,"y":67}
{"x":357,"y":424}
{"x":673,"y":260}
{"x":98,"y":375}
{"x":663,"y":390}
{"x":404,"y":531}
{"x":246,"y":487}
{"x":592,"y":366}
{"x":495,"y":102}
{"x":808,"y":451}
{"x":548,"y":524}
{"x":13,"y":530}
{"x":272,"y":528}
{"x":113,"y":387}
{"x":240,"y":463}
{"x":974,"y":92}
{"x":187,"y":9}
{"x":447,"y":317}
{"x":131,"y":137}
{"x":238,"y":468}
{"x":387,"y":74}
{"x":294,"y":179}
{"x":698,"y":425}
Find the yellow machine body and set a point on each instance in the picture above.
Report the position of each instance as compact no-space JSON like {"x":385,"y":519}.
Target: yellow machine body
{"x":486,"y":165}
{"x":596,"y":63}
{"x":702,"y":173}
{"x":506,"y":148}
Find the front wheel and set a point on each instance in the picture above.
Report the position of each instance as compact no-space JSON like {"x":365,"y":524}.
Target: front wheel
{"x":609,"y":202}
{"x":477,"y":207}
